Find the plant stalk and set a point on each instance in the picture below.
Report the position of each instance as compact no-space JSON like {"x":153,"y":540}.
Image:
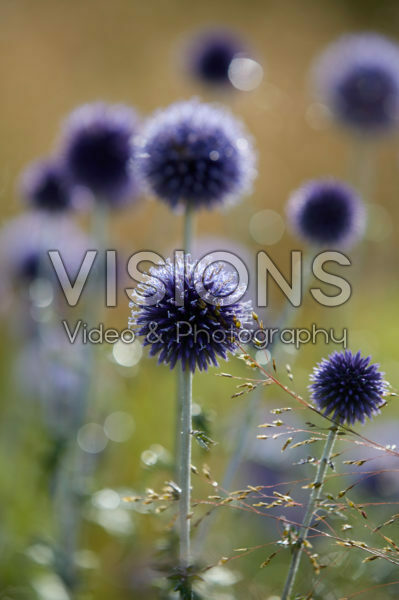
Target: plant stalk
{"x":362,"y":167}
{"x":185,"y":466}
{"x":188,"y":231}
{"x":72,"y":471}
{"x":188,"y":236}
{"x":310,"y":510}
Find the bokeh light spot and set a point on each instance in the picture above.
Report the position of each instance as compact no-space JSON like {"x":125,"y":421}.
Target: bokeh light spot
{"x":127,"y":354}
{"x":245,"y":74}
{"x":263,"y":357}
{"x":119,"y":426}
{"x":106,"y":499}
{"x":91,"y":438}
{"x":41,"y":293}
{"x":266,"y":227}
{"x":50,"y":587}
{"x":149,"y":458}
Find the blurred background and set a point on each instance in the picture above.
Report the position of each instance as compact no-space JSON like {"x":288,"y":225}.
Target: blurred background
{"x":56,"y":55}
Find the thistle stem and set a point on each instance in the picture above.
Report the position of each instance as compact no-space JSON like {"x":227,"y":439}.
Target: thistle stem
{"x":188,"y":236}
{"x":362,"y":166}
{"x":72,"y":472}
{"x":185,"y":465}
{"x":310,"y":510}
{"x":188,"y":233}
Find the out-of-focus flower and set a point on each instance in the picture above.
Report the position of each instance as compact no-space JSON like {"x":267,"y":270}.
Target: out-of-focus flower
{"x":348,"y":387}
{"x":50,"y":371}
{"x":45,"y":186}
{"x":210,"y":54}
{"x":196,"y":153}
{"x":327,"y":213}
{"x":358,"y":78}
{"x":98,"y":149}
{"x":24,"y":245}
{"x":197,"y":332}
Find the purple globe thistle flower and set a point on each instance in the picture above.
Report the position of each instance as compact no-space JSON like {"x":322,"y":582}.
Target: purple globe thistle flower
{"x":98,"y":150}
{"x":327,"y":213}
{"x":194,"y":331}
{"x":358,"y":78}
{"x":28,"y":280}
{"x":25,"y":242}
{"x":196,"y":153}
{"x":206,"y":245}
{"x":211,"y":53}
{"x":348,"y":386}
{"x":45,"y":186}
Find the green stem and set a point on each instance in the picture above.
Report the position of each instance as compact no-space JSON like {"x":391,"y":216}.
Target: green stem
{"x":362,"y":166}
{"x":67,"y":509}
{"x":179,"y":387}
{"x":69,"y":504}
{"x":310,"y":510}
{"x":188,"y":232}
{"x":185,"y":466}
{"x":188,"y":236}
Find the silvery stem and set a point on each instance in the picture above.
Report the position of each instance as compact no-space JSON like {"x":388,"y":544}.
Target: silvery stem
{"x":71,"y":474}
{"x":362,"y":167}
{"x":310,"y":510}
{"x":188,"y":235}
{"x":185,"y":466}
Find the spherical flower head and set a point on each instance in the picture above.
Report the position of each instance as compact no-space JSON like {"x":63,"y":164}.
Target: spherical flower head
{"x":196,"y":153}
{"x":24,"y":245}
{"x":211,"y":53}
{"x":45,"y":187}
{"x":348,"y":387}
{"x":206,"y":246}
{"x":98,"y":149}
{"x":358,"y":78}
{"x":188,"y":326}
{"x":327,"y":213}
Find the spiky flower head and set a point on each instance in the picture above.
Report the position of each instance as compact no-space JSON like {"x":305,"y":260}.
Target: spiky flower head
{"x":196,"y":153}
{"x":358,"y":78}
{"x":327,"y":213}
{"x":45,"y":186}
{"x":348,"y":387}
{"x":196,"y":318}
{"x":98,"y":149}
{"x":211,"y":53}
